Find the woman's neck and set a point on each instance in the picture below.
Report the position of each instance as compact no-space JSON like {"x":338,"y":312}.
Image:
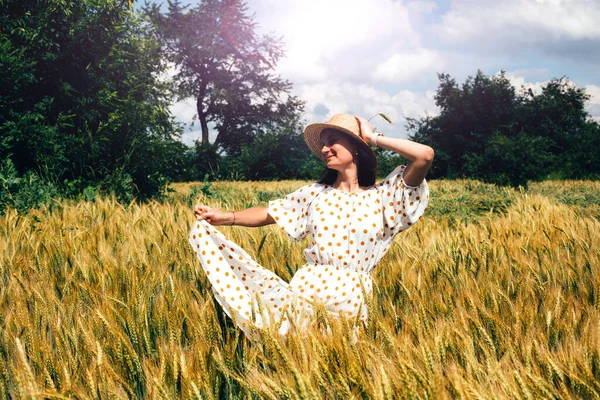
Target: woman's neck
{"x":347,"y":181}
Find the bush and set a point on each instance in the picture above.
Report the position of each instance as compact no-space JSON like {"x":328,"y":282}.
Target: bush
{"x":22,"y":193}
{"x":514,"y":161}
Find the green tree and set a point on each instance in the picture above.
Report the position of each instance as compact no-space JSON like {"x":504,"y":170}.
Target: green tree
{"x":227,"y":68}
{"x":82,"y":95}
{"x":280,"y":154}
{"x":387,"y":161}
{"x":583,"y":159}
{"x":470,"y":115}
{"x":513,"y":160}
{"x":207,"y":161}
{"x":488,"y":130}
{"x":558,"y":114}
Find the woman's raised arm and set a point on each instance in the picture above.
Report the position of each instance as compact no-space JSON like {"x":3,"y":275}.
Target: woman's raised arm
{"x":419,"y":155}
{"x":255,"y":216}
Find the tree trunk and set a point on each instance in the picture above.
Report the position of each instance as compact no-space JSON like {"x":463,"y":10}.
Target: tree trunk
{"x":202,"y":118}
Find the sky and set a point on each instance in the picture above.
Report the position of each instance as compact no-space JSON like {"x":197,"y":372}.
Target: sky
{"x":364,"y":57}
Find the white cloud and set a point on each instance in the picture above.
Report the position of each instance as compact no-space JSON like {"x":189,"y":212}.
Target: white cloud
{"x":189,"y":137}
{"x":551,"y":25}
{"x":572,"y":19}
{"x":184,"y":110}
{"x":519,"y":83}
{"x":365,"y":100}
{"x":594,"y":92}
{"x":407,"y":66}
{"x":531,"y":72}
{"x":337,"y":38}
{"x":425,"y":7}
{"x":593,"y":105}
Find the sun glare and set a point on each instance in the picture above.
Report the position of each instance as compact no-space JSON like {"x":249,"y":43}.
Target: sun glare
{"x":316,"y":32}
{"x":316,"y":27}
{"x":328,"y":24}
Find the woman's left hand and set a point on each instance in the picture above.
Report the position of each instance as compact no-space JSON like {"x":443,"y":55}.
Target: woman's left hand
{"x":366,"y":129}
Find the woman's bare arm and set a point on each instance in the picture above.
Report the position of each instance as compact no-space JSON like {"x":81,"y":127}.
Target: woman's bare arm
{"x":419,"y":155}
{"x":255,"y":216}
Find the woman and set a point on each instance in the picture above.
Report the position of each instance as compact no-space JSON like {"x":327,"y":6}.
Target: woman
{"x":352,"y":222}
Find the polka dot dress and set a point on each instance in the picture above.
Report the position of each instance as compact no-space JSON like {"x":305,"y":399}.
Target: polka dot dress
{"x":350,"y":233}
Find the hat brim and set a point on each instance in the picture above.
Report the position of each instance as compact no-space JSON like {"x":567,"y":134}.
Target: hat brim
{"x":312,"y":137}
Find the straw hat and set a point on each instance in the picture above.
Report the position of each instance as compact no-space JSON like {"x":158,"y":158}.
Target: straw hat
{"x":343,"y":123}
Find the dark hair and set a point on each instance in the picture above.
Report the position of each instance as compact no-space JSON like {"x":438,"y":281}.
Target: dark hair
{"x":366,"y":165}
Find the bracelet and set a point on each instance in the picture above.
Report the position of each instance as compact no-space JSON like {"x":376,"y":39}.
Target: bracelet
{"x":233,"y":223}
{"x":374,"y":138}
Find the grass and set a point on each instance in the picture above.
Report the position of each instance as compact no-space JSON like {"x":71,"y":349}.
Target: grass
{"x":495,"y":293}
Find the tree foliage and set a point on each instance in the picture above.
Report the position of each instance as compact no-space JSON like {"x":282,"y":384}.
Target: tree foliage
{"x":81,"y":100}
{"x":271,"y":155}
{"x":228,"y":68}
{"x":488,"y":130}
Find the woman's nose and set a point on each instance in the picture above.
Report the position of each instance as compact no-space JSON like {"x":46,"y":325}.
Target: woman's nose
{"x":324,"y":149}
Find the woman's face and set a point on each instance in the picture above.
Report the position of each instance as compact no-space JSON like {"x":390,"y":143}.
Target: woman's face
{"x":337,"y":149}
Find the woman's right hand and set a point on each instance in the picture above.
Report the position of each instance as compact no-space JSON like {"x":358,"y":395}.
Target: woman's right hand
{"x":366,"y":129}
{"x":212,"y":216}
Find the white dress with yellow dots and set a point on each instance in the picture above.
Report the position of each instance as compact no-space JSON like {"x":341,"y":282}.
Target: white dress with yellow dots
{"x":350,"y":233}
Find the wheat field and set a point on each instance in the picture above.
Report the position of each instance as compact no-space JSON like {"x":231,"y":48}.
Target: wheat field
{"x":495,"y":293}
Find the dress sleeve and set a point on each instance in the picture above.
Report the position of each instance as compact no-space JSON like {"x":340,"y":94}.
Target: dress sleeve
{"x":291,"y":212}
{"x":403,"y":205}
